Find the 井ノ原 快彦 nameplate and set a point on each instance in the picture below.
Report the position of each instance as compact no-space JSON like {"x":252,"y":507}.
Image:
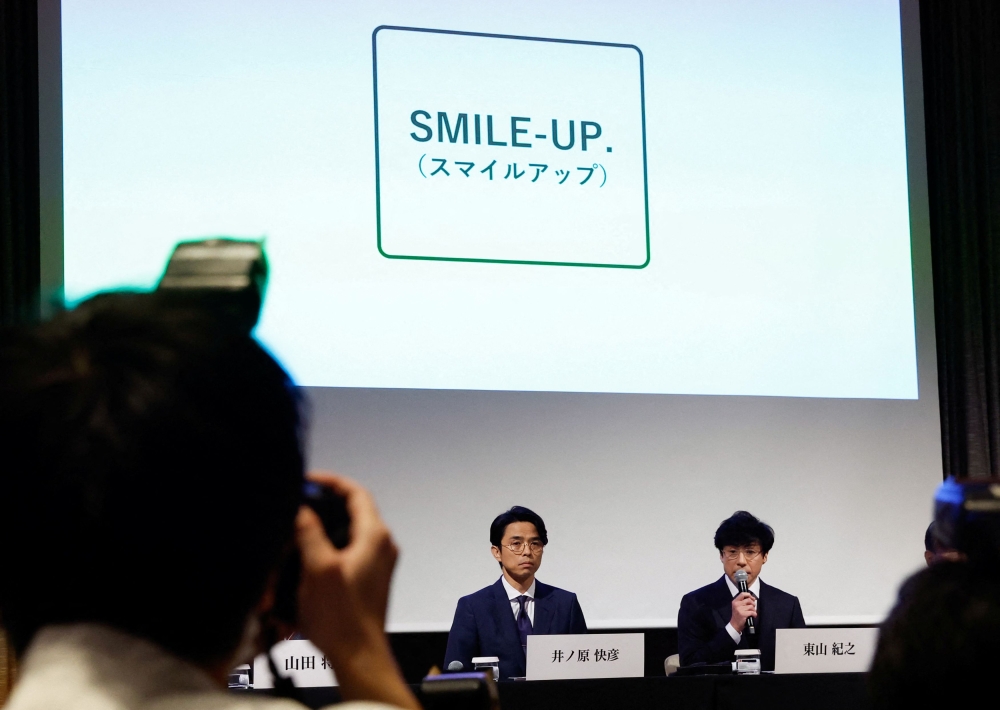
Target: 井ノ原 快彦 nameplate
{"x":559,"y":657}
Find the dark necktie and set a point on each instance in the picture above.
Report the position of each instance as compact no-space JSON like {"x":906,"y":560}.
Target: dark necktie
{"x":523,"y":622}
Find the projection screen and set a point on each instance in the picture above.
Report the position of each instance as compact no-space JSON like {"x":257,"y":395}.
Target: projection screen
{"x":634,"y":265}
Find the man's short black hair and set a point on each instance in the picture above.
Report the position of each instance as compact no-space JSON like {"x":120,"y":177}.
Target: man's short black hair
{"x":152,"y":470}
{"x":517,"y":514}
{"x":930,"y":544}
{"x":741,"y":529}
{"x":937,"y":647}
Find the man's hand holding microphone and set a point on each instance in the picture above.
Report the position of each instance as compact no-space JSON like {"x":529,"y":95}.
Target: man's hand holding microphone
{"x":744,"y":605}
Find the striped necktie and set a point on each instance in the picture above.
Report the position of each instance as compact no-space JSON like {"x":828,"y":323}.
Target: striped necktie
{"x":523,"y":621}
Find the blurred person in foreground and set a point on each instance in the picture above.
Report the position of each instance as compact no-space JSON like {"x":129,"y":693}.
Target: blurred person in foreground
{"x":150,"y":489}
{"x":937,"y":648}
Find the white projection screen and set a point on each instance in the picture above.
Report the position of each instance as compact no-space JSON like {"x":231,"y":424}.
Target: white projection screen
{"x":634,"y":265}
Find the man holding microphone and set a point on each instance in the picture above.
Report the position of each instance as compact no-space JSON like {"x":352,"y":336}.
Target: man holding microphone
{"x":721,"y":617}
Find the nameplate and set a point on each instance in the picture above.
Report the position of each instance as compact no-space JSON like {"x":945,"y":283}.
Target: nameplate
{"x":824,"y":650}
{"x":586,"y":656}
{"x":299,"y":660}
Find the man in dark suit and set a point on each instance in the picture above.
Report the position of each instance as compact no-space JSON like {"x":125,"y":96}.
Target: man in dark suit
{"x":497,"y":620}
{"x":712,"y":622}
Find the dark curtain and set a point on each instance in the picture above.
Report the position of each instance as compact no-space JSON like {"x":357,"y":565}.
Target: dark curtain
{"x":19,"y":247}
{"x":19,"y":220}
{"x":961,"y":64}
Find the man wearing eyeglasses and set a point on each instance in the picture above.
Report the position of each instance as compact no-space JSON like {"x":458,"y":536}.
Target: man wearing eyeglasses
{"x":497,"y":620}
{"x":712,"y":622}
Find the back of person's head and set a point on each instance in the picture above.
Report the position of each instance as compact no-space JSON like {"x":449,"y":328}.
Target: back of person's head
{"x":152,"y":469}
{"x":930,"y":543}
{"x":936,"y":647}
{"x":742,"y":529}
{"x":517,"y":514}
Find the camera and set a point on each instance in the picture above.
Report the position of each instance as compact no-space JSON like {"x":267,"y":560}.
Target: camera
{"x":228,"y":277}
{"x":332,"y":510}
{"x":967,"y":518}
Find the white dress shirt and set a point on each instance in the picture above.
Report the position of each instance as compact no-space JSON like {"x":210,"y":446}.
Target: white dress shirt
{"x":734,"y":590}
{"x":529,"y":603}
{"x":96,"y":667}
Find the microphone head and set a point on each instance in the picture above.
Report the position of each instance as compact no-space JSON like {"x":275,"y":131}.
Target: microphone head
{"x":455,"y":666}
{"x":740,"y":576}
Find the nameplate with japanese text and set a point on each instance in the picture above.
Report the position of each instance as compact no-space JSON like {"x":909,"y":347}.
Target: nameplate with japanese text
{"x":824,"y":650}
{"x":299,"y":660}
{"x":586,"y":656}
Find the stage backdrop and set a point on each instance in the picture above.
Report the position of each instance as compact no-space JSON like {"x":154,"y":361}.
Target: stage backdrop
{"x":634,"y":266}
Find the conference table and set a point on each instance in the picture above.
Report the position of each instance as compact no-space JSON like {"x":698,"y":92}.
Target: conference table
{"x":767,"y":691}
{"x":816,"y":692}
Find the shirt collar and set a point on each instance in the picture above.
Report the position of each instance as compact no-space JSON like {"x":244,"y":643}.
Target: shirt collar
{"x":513,"y":594}
{"x":734,"y":590}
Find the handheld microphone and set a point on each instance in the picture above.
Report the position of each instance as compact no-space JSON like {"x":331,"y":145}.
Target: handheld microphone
{"x":455,"y":666}
{"x":741,"y":582}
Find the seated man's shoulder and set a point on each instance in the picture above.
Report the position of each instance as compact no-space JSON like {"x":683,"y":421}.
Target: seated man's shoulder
{"x":786,"y":605}
{"x":480,"y":596}
{"x":556,"y":593}
{"x":776,"y":593}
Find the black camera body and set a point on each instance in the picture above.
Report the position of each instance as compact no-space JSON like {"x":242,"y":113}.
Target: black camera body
{"x":332,"y":510}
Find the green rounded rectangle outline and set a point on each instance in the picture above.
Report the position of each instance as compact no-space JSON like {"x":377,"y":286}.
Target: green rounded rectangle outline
{"x":378,"y":194}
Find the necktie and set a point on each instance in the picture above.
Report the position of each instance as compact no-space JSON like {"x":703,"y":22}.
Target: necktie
{"x":523,"y":621}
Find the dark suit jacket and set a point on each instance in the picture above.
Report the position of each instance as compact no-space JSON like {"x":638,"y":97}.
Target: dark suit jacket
{"x":484,"y":625}
{"x":701,"y":623}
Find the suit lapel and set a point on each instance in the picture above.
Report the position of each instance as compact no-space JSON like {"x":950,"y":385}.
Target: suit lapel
{"x":543,"y":609}
{"x":722,"y":602}
{"x":504,"y":616}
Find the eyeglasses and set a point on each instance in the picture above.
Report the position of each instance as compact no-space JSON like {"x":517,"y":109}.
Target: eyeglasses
{"x":732,"y":553}
{"x":517,"y":547}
